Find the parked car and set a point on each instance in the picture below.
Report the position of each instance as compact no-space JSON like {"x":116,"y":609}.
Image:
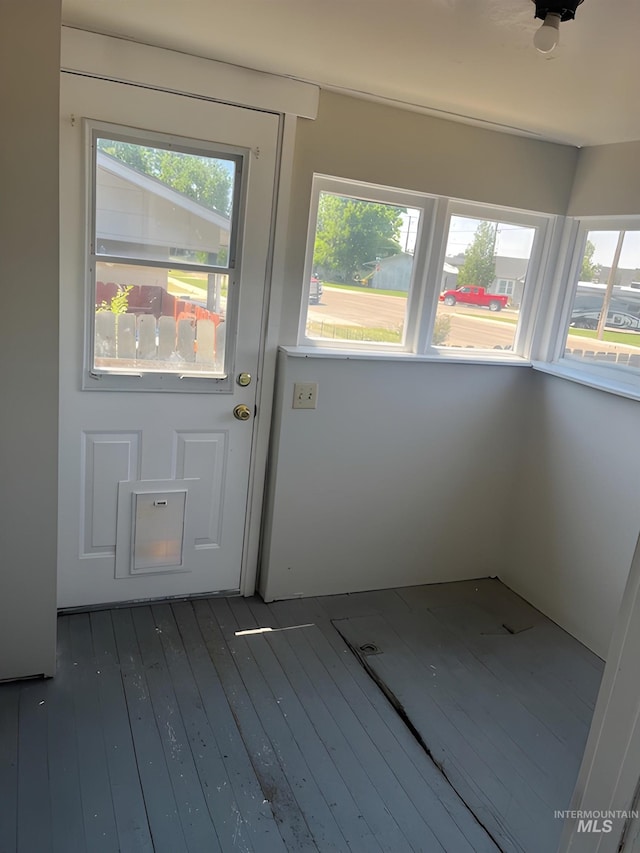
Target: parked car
{"x":471,"y":294}
{"x":315,"y":291}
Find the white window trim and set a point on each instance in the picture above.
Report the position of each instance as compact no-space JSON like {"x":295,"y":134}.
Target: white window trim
{"x":94,"y":379}
{"x":549,"y":357}
{"x":543,"y":223}
{"x":376,"y":194}
{"x":429,"y":258}
{"x":548,"y":294}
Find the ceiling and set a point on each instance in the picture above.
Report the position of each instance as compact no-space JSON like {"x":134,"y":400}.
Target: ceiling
{"x":469,"y":60}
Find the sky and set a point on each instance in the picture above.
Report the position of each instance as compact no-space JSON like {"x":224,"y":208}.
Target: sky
{"x":513,"y":241}
{"x":409,"y":230}
{"x":605,"y":243}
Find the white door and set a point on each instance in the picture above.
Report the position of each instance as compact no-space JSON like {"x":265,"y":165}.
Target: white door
{"x":162,"y":302}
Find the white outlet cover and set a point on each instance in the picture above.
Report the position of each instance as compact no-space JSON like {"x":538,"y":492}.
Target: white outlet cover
{"x":305,"y":395}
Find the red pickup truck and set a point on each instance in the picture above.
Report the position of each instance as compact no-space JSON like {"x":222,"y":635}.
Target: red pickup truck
{"x":471,"y":294}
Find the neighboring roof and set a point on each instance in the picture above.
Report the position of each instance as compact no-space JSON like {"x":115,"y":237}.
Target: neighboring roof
{"x":379,"y":262}
{"x":395,"y":258}
{"x":146,"y":182}
{"x":448,"y":268}
{"x":507,"y":268}
{"x":511,"y":268}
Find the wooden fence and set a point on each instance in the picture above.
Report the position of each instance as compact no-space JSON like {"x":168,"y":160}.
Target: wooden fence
{"x":630,"y":359}
{"x":139,"y":338}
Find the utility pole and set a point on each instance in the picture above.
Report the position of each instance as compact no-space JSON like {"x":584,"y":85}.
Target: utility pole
{"x":602,"y":320}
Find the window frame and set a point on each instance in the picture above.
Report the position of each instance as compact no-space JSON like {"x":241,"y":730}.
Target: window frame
{"x":536,"y":267}
{"x":376,"y":194}
{"x":506,"y":286}
{"x":185,"y":381}
{"x":429,"y":258}
{"x":617,"y":378}
{"x":550,"y":286}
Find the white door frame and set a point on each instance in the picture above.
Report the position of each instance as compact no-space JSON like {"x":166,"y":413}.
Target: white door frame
{"x":267,"y":359}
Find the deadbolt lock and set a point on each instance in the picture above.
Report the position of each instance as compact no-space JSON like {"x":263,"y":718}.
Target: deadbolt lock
{"x":244,"y":379}
{"x":242,"y":412}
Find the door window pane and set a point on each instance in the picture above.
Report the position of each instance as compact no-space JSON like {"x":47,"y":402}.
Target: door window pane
{"x":604,"y":323}
{"x":159,"y":320}
{"x":165,"y":224}
{"x":362,"y":271}
{"x":162,"y":205}
{"x":483,"y":283}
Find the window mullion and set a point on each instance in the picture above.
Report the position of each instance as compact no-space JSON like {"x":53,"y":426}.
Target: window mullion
{"x":551,"y":309}
{"x":435,"y":250}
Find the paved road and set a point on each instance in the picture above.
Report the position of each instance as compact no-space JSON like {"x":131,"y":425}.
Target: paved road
{"x":469,"y":326}
{"x":345,"y":307}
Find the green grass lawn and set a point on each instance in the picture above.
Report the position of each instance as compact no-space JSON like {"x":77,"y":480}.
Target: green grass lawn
{"x":630,"y":339}
{"x":195,"y":280}
{"x":192,"y":279}
{"x":356,"y":288}
{"x":491,"y":315}
{"x":332,"y":331}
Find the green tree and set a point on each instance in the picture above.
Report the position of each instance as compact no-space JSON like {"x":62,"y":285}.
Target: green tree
{"x":590,"y":270}
{"x":203,"y":179}
{"x":479,"y":265}
{"x":351,"y":233}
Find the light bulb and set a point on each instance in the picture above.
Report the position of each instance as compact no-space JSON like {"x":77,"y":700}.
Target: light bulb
{"x":548,"y":36}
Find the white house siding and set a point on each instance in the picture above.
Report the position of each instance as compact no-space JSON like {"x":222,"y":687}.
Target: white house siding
{"x":134,"y":215}
{"x":394,"y":273}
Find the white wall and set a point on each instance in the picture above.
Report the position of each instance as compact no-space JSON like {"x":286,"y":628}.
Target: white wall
{"x":578,"y":506}
{"x":579,"y":516}
{"x":402,"y":475}
{"x":29,"y":79}
{"x":404,"y":472}
{"x":367,"y":141}
{"x":607,"y":181}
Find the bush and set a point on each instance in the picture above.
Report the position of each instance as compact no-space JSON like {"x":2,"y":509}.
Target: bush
{"x":441,"y":329}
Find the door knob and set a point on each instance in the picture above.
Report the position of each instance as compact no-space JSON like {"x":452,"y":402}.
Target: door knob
{"x":242,"y":412}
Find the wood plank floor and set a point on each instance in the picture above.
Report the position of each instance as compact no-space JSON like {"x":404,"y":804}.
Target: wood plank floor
{"x":231,"y":725}
{"x":501,"y":697}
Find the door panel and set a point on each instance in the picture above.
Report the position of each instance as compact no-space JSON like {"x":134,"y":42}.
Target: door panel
{"x":179,"y":452}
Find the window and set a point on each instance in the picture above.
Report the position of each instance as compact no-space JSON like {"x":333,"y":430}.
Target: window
{"x":504,"y":286}
{"x":163,"y":251}
{"x":392,"y":270}
{"x":491,"y":258}
{"x":361,"y":266}
{"x":602,"y":326}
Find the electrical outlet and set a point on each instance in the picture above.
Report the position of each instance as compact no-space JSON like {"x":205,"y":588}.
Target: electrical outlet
{"x":305,"y":395}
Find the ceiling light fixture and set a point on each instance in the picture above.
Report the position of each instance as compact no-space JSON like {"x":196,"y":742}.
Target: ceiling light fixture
{"x":552,"y":12}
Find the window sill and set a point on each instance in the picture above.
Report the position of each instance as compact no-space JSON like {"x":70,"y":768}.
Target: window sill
{"x":611,"y":385}
{"x":386,"y":355}
{"x":600,"y":382}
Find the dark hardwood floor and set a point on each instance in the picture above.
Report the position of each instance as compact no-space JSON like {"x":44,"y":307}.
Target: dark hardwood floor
{"x":232,"y":725}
